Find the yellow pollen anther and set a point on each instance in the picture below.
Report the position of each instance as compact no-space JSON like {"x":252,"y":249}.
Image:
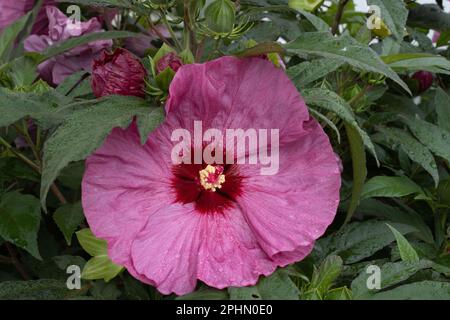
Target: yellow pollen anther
{"x":212,"y":178}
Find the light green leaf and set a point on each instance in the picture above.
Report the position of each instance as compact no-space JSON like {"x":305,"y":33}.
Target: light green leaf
{"x":68,"y":217}
{"x":324,"y":276}
{"x":416,"y":151}
{"x":20,"y":217}
{"x":391,"y":187}
{"x":100,"y":267}
{"x":407,"y":252}
{"x":278,"y":286}
{"x":442,"y":103}
{"x":86,"y":129}
{"x":394,"y":14}
{"x":343,"y":48}
{"x":92,"y":245}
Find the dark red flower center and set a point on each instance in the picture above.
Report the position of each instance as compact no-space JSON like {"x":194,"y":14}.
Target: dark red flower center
{"x":211,"y":187}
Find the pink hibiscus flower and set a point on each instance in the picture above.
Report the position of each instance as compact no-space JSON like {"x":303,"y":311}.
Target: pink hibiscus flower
{"x":173,"y":224}
{"x":12,"y":10}
{"x":61,"y":28}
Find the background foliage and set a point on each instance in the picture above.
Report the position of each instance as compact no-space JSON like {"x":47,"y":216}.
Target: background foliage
{"x":393,"y":139}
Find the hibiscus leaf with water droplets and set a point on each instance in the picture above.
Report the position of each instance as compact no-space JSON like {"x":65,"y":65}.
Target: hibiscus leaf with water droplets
{"x":343,"y":48}
{"x":86,"y":129}
{"x":414,"y":149}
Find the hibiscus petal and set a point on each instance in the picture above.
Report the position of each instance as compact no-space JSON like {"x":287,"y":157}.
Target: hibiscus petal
{"x":295,"y":206}
{"x":123,"y":184}
{"x":166,"y":250}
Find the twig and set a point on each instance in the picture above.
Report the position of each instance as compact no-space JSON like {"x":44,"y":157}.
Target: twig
{"x":15,"y":261}
{"x":36,"y":168}
{"x":338,"y":16}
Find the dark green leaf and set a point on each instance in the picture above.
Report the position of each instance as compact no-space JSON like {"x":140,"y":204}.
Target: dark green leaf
{"x":86,"y":129}
{"x":391,"y":187}
{"x":68,"y":217}
{"x":343,"y":48}
{"x":20,"y":217}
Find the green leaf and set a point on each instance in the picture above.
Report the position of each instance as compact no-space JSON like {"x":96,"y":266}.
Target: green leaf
{"x":322,"y":117}
{"x":42,"y":289}
{"x":360,"y":240}
{"x":390,"y":187}
{"x":318,"y":23}
{"x":134,"y":289}
{"x":434,"y":137}
{"x":417,"y":61}
{"x":105,"y":291}
{"x":416,"y":151}
{"x":92,"y":245}
{"x":68,"y":217}
{"x":9,"y":35}
{"x":424,"y":290}
{"x":391,"y":274}
{"x":339,"y":294}
{"x":394,"y":14}
{"x":407,"y":252}
{"x":20,"y":217}
{"x":324,"y":276}
{"x":307,"y":72}
{"x":442,"y":103}
{"x":359,"y":169}
{"x":100,"y":267}
{"x":278,"y":286}
{"x":205,"y":293}
{"x":71,"y":43}
{"x":86,"y":129}
{"x":330,"y":101}
{"x":345,"y":49}
{"x":405,"y":216}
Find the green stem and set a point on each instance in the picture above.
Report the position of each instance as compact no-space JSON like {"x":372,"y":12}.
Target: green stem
{"x":169,"y":27}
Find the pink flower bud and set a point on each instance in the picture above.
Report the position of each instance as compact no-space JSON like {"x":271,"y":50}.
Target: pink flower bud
{"x":119,"y":72}
{"x":170,"y":60}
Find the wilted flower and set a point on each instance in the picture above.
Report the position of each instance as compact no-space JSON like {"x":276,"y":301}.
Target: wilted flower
{"x":61,"y":28}
{"x":425,"y":80}
{"x":119,"y":72}
{"x":169,"y":60}
{"x":12,"y":10}
{"x":224,"y":224}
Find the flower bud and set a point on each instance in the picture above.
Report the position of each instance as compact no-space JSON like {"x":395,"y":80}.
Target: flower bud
{"x":119,"y":72}
{"x":220,"y":16}
{"x":169,"y":60}
{"x":425,"y":80}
